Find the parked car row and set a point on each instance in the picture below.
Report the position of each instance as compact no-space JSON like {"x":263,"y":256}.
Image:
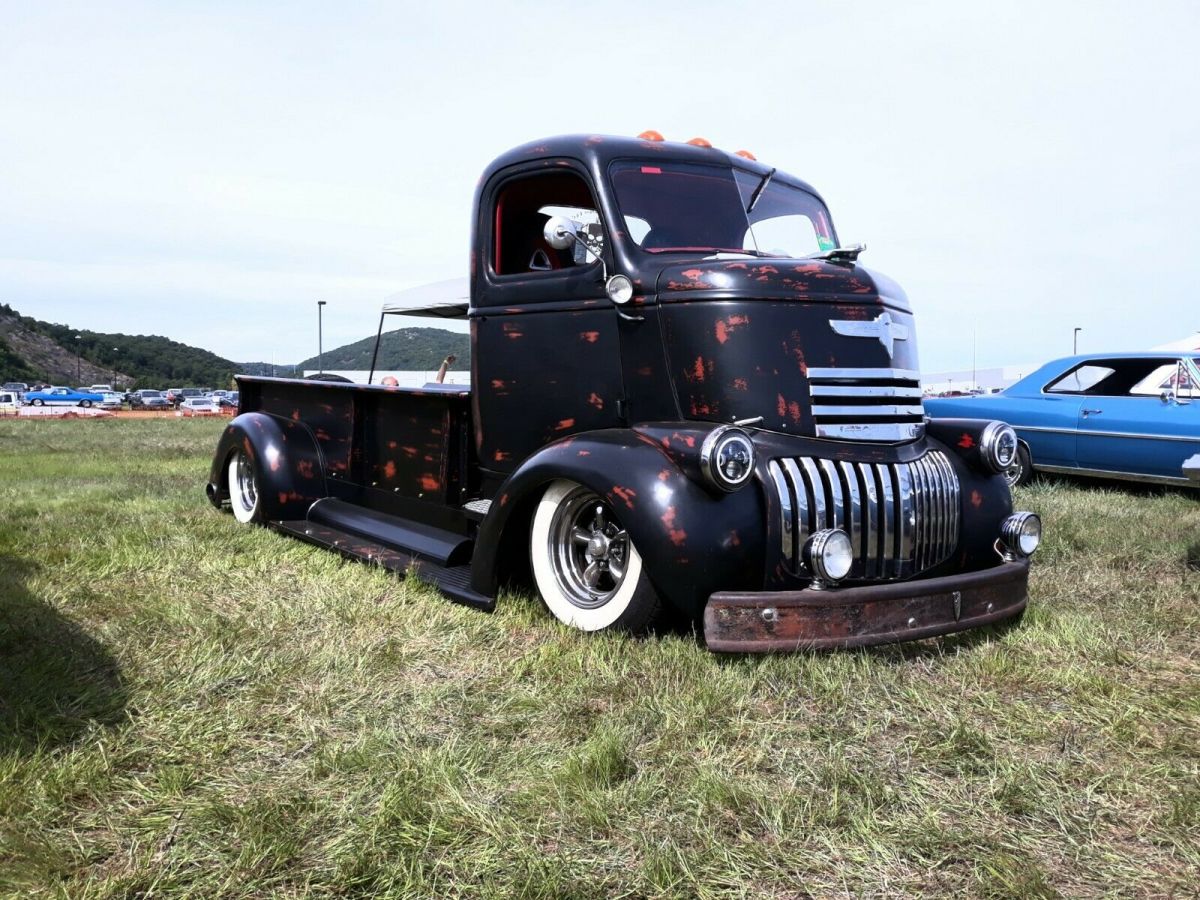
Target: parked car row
{"x":102,"y":396}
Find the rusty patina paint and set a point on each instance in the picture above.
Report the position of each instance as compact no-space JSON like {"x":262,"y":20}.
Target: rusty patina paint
{"x":855,"y":617}
{"x":625,"y":494}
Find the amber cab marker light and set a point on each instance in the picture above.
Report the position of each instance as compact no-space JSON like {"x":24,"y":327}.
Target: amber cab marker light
{"x":650,"y":135}
{"x":700,"y":142}
{"x":746,"y":154}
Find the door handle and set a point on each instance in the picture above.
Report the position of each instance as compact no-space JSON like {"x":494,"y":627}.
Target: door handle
{"x":1091,"y":412}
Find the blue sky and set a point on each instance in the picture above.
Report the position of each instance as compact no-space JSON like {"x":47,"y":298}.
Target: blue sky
{"x":209,"y":171}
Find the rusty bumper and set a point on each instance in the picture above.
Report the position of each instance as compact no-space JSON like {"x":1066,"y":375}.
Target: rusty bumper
{"x":736,"y":622}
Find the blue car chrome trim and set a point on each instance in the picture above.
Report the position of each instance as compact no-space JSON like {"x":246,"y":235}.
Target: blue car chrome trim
{"x":1116,"y":434}
{"x":1116,"y":476}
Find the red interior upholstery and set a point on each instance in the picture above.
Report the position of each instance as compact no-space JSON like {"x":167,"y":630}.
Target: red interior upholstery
{"x":518,"y":233}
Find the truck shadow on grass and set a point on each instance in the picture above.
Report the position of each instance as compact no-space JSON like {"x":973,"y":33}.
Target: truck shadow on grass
{"x":56,"y":681}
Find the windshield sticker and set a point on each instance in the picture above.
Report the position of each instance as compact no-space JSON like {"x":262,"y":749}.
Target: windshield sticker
{"x":825,"y":243}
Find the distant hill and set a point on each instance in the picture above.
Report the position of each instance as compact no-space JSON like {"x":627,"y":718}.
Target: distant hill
{"x":404,"y":349}
{"x":124,"y":359}
{"x":28,"y":353}
{"x":32,"y":351}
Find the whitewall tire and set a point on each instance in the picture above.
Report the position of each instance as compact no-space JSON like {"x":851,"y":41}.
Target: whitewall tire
{"x":245,"y":494}
{"x":585,"y":565}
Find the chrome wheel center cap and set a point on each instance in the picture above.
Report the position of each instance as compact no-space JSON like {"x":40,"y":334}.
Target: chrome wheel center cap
{"x":598,"y":547}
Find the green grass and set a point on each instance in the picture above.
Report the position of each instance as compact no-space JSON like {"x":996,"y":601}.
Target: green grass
{"x":191,"y":708}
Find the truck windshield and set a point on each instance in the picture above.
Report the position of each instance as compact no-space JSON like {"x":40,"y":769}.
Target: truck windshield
{"x":686,"y":208}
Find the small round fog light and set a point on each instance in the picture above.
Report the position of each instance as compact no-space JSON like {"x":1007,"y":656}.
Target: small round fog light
{"x":1020,"y":534}
{"x":829,"y":556}
{"x":619,"y":289}
{"x":998,"y":446}
{"x":727,"y":458}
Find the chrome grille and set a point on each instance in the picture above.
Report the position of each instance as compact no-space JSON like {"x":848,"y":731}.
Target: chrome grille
{"x":867,"y":404}
{"x":902,"y":518}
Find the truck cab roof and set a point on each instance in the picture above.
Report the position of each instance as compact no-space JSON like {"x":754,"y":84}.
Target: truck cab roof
{"x":597,"y":151}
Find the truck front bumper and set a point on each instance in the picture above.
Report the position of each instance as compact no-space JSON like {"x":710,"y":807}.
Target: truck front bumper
{"x":738,"y":622}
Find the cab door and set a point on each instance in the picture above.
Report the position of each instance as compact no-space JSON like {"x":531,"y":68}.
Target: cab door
{"x":546,"y":351}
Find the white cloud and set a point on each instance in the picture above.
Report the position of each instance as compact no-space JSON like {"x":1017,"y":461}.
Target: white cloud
{"x":210,"y":171}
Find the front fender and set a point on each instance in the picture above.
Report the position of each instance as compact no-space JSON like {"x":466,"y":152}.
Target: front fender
{"x":291,"y":470}
{"x":692,"y":541}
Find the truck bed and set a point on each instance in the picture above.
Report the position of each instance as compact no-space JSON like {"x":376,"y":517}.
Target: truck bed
{"x":401,"y":451}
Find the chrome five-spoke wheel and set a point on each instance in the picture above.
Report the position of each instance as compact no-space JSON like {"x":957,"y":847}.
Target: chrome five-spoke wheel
{"x":586,"y":567}
{"x":1021,"y":471}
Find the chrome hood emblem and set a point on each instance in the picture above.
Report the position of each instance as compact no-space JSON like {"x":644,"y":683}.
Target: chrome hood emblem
{"x":882,"y":328}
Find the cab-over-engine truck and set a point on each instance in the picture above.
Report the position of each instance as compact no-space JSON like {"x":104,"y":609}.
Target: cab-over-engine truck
{"x":685,"y":395}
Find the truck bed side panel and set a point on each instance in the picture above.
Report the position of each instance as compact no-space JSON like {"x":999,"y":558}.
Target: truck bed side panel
{"x":381,"y":444}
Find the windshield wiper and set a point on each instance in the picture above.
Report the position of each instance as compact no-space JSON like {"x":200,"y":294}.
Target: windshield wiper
{"x":762,"y":186}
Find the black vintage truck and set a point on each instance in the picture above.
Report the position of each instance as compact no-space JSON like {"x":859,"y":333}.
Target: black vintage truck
{"x":686,"y":397}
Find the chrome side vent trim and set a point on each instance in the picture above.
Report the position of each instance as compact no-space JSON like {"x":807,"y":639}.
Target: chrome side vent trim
{"x":902,"y":518}
{"x":867,"y":404}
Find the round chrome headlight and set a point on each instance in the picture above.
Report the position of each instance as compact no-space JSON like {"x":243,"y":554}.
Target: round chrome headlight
{"x":829,"y":555}
{"x":1021,"y":533}
{"x":998,"y":446}
{"x":727,"y":458}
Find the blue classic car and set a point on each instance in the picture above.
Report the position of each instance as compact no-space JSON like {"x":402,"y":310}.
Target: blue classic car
{"x":1133,"y":416}
{"x":63,"y":396}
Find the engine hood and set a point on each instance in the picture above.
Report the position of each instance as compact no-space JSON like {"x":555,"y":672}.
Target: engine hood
{"x":814,"y":348}
{"x":778,"y":278}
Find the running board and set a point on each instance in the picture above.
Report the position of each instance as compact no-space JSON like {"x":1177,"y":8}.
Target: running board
{"x":452,"y":581}
{"x":446,"y":548}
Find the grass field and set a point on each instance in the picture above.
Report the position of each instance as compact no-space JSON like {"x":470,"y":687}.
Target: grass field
{"x":188,"y":707}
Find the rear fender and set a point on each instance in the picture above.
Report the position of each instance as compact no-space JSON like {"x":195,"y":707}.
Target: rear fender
{"x":692,"y":540}
{"x":290,"y":467}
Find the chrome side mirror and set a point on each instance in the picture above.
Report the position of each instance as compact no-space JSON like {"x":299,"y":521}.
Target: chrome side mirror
{"x":560,"y":232}
{"x":1171,"y":399}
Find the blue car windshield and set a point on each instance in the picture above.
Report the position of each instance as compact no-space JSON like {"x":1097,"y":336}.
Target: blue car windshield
{"x":687,"y":208}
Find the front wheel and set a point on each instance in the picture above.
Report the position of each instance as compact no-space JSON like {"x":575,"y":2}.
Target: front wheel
{"x":1021,"y":471}
{"x":585,"y":564}
{"x":37,"y":402}
{"x":244,"y":496}
{"x":85,"y":403}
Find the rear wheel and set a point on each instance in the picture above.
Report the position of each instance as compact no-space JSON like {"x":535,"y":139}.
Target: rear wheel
{"x":244,"y":496}
{"x":1021,"y":471}
{"x":585,"y":564}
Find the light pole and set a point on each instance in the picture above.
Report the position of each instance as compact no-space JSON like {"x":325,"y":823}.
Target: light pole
{"x":1075,"y":342}
{"x":974,"y":373}
{"x":77,"y":360}
{"x":320,"y":342}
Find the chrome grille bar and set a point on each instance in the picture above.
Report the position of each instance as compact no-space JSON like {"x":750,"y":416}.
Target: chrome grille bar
{"x":842,"y":390}
{"x":902,"y":518}
{"x":864,"y":374}
{"x":866,"y":404}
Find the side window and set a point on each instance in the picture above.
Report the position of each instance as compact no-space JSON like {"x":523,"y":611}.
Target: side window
{"x":524,"y":206}
{"x":1170,"y":377}
{"x":1077,"y":381}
